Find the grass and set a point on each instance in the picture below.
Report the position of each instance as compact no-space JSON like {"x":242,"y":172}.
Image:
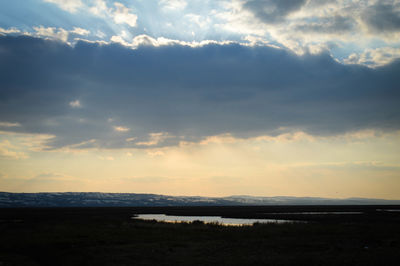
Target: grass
{"x":107,"y":236}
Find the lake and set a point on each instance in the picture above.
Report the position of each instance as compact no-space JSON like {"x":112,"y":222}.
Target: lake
{"x":207,"y":219}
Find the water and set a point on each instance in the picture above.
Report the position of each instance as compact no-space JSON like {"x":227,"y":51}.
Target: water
{"x":388,"y":210}
{"x":207,"y":219}
{"x":314,"y":213}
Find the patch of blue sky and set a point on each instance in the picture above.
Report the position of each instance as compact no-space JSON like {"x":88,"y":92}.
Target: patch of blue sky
{"x":378,"y":43}
{"x":22,"y":14}
{"x":24,"y":18}
{"x":342,"y":50}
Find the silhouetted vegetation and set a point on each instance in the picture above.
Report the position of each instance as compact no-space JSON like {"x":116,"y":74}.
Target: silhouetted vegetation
{"x":108,"y":236}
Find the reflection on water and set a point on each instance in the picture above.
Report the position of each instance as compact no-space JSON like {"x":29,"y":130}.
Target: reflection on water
{"x":314,"y":213}
{"x":388,"y":210}
{"x":207,"y":219}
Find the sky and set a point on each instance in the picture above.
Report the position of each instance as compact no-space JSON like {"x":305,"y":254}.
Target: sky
{"x":209,"y":98}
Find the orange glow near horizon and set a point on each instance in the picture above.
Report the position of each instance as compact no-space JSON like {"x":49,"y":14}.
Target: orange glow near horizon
{"x":354,"y":165}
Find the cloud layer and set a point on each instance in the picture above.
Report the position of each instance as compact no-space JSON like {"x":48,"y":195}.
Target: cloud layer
{"x":110,"y":96}
{"x":348,"y":29}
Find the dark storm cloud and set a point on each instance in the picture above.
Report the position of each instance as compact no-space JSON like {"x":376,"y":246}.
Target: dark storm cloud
{"x":273,"y":11}
{"x":382,"y":18}
{"x":188,"y":92}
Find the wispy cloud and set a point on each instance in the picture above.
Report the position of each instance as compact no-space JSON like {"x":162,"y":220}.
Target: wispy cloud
{"x":67,"y":5}
{"x":9,"y":124}
{"x":121,"y":129}
{"x":155,"y":153}
{"x":7,"y":150}
{"x":154,"y":139}
{"x":173,"y":4}
{"x":75,"y":104}
{"x":80,"y":31}
{"x":106,"y":158}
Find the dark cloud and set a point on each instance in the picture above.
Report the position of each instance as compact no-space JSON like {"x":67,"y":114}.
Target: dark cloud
{"x":382,"y":18}
{"x":188,"y":92}
{"x":319,"y":3}
{"x":273,"y":11}
{"x":328,"y":25}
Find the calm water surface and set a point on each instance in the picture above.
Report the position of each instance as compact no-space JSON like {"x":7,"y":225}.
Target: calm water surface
{"x":388,"y":210}
{"x":207,"y":219}
{"x":314,"y":213}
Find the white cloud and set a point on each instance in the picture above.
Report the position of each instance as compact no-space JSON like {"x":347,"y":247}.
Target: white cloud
{"x":80,"y":31}
{"x":58,"y":33}
{"x":67,"y":5}
{"x":169,"y":5}
{"x":52,"y":33}
{"x":234,"y":19}
{"x":316,"y":26}
{"x":147,"y":40}
{"x":121,"y":129}
{"x":99,"y":7}
{"x":9,"y":31}
{"x":120,"y":40}
{"x":341,"y":27}
{"x":75,"y":104}
{"x":374,"y":57}
{"x":122,"y":15}
{"x":144,"y":40}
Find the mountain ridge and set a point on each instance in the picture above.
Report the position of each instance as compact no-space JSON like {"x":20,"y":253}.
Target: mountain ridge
{"x":102,"y":199}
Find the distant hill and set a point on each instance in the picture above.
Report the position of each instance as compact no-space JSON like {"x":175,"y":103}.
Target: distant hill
{"x":97,"y":199}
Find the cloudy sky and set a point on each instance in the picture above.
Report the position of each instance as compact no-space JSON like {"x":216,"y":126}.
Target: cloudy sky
{"x":212,"y":98}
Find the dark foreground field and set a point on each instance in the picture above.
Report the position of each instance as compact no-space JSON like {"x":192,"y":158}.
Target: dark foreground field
{"x":108,"y":236}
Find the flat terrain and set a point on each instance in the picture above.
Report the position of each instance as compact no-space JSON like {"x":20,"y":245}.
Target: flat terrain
{"x":108,"y":236}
